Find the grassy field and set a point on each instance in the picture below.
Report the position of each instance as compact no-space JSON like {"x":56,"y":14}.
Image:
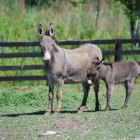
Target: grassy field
{"x":22,"y":110}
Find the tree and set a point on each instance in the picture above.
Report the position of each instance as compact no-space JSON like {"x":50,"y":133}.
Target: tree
{"x":133,"y":12}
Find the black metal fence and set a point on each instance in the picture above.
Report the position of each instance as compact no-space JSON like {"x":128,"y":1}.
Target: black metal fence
{"x":117,"y":52}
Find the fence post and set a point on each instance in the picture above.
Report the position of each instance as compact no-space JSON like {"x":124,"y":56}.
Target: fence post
{"x":118,"y":50}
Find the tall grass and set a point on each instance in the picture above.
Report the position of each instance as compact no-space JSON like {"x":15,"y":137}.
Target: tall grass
{"x":71,"y":23}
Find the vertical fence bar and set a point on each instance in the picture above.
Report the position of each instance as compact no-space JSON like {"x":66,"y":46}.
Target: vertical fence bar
{"x":118,"y":50}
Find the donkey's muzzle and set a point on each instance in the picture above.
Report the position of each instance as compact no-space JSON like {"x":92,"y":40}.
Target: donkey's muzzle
{"x":47,"y":61}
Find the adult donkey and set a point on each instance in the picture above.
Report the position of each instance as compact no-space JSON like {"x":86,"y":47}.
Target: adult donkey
{"x":67,"y":66}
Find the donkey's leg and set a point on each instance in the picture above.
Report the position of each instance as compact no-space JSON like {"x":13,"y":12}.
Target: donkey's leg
{"x":129,"y":89}
{"x":59,"y":96}
{"x":50,"y":96}
{"x":86,"y":91}
{"x":96,"y":90}
{"x":109,"y":87}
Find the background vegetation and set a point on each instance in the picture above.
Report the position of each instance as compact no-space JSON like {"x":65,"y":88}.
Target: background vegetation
{"x":19,"y":23}
{"x":73,"y":20}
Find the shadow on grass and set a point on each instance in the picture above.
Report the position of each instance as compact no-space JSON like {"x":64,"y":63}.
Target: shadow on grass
{"x":32,"y":113}
{"x":43,"y":112}
{"x":36,"y":113}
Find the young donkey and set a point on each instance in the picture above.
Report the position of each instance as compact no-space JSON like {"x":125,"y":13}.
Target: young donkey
{"x":66,"y":66}
{"x":114,"y":73}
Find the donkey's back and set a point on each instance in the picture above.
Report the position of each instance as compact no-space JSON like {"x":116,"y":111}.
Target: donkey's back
{"x":79,"y":60}
{"x":125,"y":70}
{"x":86,"y":49}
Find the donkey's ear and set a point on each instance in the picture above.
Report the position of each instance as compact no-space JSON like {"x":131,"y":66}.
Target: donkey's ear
{"x":51,"y":29}
{"x":98,"y":64}
{"x":102,"y":61}
{"x":40,"y":30}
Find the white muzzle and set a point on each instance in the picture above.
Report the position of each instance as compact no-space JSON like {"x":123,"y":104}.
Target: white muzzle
{"x":47,"y":57}
{"x":89,"y":81}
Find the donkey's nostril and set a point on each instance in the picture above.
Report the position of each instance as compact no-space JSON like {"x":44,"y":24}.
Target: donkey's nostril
{"x":47,"y":61}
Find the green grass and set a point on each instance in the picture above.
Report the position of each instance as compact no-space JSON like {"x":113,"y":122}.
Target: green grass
{"x":22,"y":116}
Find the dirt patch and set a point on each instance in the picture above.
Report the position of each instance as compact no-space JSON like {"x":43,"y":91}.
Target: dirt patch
{"x":70,"y":124}
{"x":25,"y":89}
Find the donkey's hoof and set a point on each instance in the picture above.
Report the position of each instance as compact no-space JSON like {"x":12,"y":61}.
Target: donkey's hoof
{"x":123,"y":107}
{"x":56,"y":113}
{"x":79,"y":111}
{"x":97,"y":108}
{"x":107,"y":109}
{"x":47,"y":113}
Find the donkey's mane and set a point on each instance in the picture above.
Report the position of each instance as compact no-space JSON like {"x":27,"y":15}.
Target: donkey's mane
{"x":53,"y":37}
{"x":108,"y":64}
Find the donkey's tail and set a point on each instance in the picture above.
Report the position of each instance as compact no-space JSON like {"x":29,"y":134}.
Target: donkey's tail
{"x":139,"y":71}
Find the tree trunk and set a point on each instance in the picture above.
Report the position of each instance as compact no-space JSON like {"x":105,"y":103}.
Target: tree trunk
{"x":21,"y":6}
{"x":134,"y":25}
{"x":98,"y":10}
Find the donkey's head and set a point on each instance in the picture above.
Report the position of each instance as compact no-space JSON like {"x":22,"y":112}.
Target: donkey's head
{"x":47,"y":42}
{"x":93,"y":71}
{"x":92,"y":75}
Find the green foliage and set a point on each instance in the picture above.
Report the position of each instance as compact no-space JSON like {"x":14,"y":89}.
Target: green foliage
{"x":27,"y":96}
{"x":82,"y":2}
{"x":131,"y":8}
{"x":31,"y":3}
{"x":51,"y":2}
{"x":70,"y":22}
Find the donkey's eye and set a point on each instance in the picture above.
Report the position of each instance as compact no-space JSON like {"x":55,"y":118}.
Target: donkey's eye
{"x":41,"y":44}
{"x":51,"y":45}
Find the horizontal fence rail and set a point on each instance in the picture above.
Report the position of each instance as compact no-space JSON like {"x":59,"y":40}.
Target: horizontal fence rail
{"x":22,"y":78}
{"x":15,"y":55}
{"x":72,"y":42}
{"x":22,"y":67}
{"x":117,"y":52}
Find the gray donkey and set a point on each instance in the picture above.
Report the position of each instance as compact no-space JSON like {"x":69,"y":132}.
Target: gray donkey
{"x":114,"y":73}
{"x":67,"y":66}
